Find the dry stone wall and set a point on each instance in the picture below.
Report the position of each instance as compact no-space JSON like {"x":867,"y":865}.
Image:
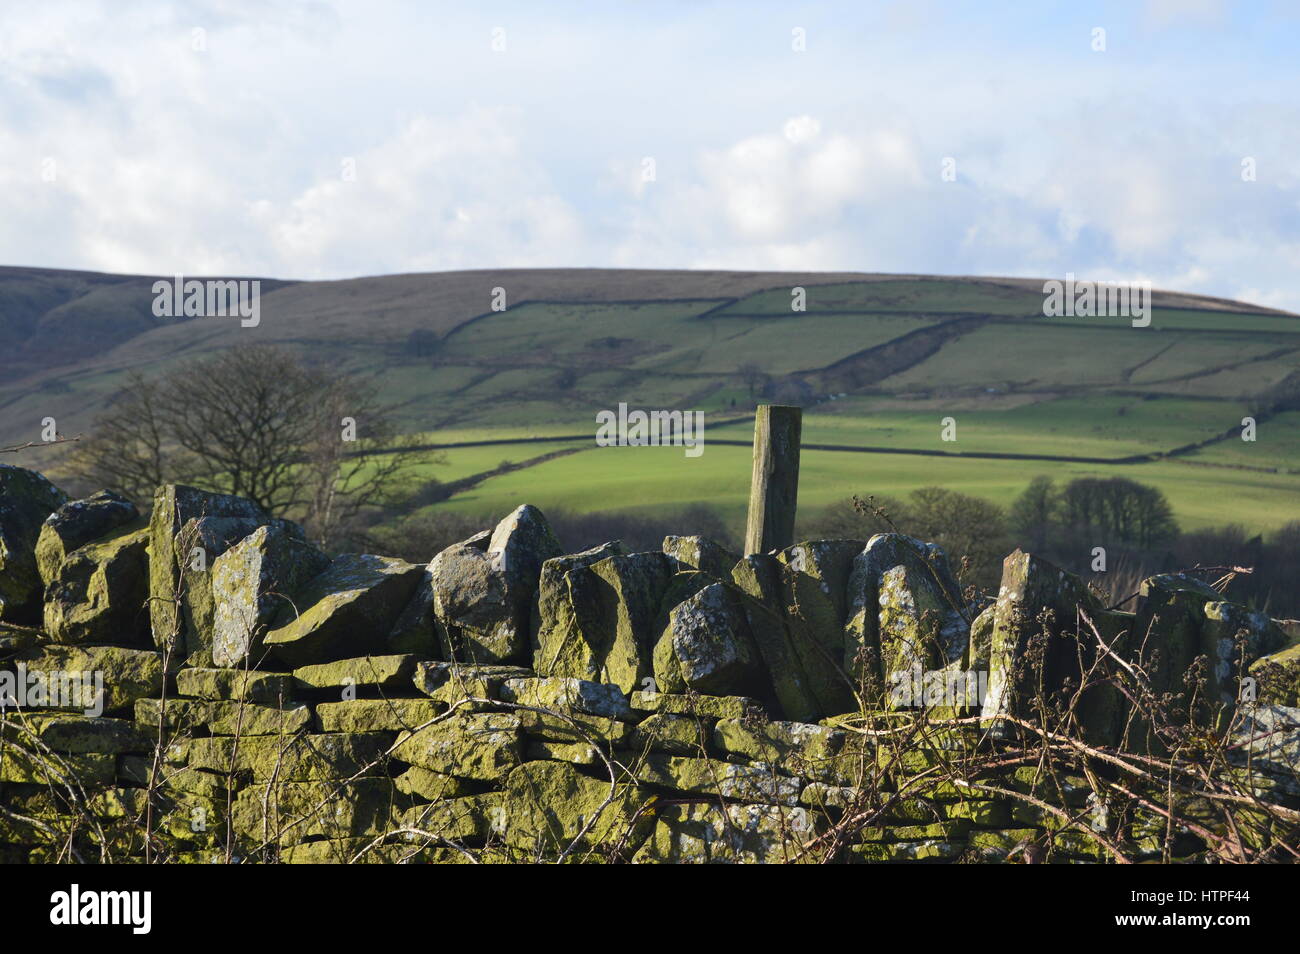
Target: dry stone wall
{"x":203,"y":684}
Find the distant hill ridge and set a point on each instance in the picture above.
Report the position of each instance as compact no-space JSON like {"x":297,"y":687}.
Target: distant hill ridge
{"x":68,"y":335}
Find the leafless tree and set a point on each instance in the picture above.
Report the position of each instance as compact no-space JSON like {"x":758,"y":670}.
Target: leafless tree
{"x":257,"y":422}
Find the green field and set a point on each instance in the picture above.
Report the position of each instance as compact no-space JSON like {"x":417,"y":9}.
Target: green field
{"x":662,"y":479}
{"x":1104,"y":426}
{"x":1014,"y":384}
{"x":876,"y":363}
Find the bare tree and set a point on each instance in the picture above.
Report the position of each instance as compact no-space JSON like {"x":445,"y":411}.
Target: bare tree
{"x":754,"y":377}
{"x":257,"y":422}
{"x":126,"y":450}
{"x":1034,"y":512}
{"x":1120,"y":509}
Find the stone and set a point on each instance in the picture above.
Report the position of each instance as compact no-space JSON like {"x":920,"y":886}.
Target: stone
{"x":606,"y":633}
{"x":553,"y":809}
{"x":15,"y":638}
{"x":1167,"y":636}
{"x":818,"y":579}
{"x":981,"y":639}
{"x":299,"y":758}
{"x":291,"y":812}
{"x":575,"y":753}
{"x":905,"y":609}
{"x":1169,"y":620}
{"x":271,"y":688}
{"x":241,"y":718}
{"x":1034,"y":594}
{"x":814,"y":586}
{"x":728,"y":834}
{"x":455,"y":819}
{"x":699,"y":776}
{"x":788,"y":616}
{"x":139,"y":770}
{"x":552,"y":614}
{"x":1000,"y":843}
{"x":126,"y":674}
{"x":810,"y":751}
{"x":523,"y":541}
{"x":458,"y":684}
{"x":252,"y":582}
{"x":365,"y":672}
{"x":377,"y":715}
{"x":343,"y":612}
{"x":483,"y":598}
{"x":700,"y":553}
{"x":82,"y":735}
{"x":1267,"y":738}
{"x":569,"y":695}
{"x":675,"y":735}
{"x":1278,"y":677}
{"x":939,"y":830}
{"x":473,"y":745}
{"x":569,"y":728}
{"x":222,"y":717}
{"x":794,"y":693}
{"x":421,"y":783}
{"x":26,"y":500}
{"x":760,"y":577}
{"x":693,"y":704}
{"x":179,"y":818}
{"x":832,"y":798}
{"x":416,"y":630}
{"x":99,"y":592}
{"x":177,"y":715}
{"x":477,"y":620}
{"x":981,"y":813}
{"x":180,"y":597}
{"x":213,"y":536}
{"x":480,"y":540}
{"x":77,"y":523}
{"x":707,"y":647}
{"x":1233,"y":637}
{"x":25,"y":767}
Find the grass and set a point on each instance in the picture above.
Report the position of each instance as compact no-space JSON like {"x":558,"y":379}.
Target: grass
{"x":1276,"y":445}
{"x":1107,"y":425}
{"x":906,"y":296}
{"x":1015,"y":382}
{"x":461,"y":462}
{"x":667,"y":338}
{"x":662,"y":479}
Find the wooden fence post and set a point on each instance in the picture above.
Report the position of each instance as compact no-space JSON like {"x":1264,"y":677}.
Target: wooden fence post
{"x":774,"y":488}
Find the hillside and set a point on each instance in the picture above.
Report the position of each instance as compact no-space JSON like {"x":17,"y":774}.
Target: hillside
{"x":878,"y":361}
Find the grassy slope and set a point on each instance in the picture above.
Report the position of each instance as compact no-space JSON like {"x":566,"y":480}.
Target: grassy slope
{"x":663,"y":479}
{"x":576,"y":341}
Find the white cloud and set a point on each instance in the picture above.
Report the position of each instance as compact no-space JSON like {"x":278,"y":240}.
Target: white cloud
{"x":445,"y":193}
{"x":229,"y":160}
{"x":1165,"y":12}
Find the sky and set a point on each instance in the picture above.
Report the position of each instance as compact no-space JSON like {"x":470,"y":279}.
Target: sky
{"x":1149,"y":140}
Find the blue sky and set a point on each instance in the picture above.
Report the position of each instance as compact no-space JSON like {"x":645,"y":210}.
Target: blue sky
{"x":334,"y":139}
